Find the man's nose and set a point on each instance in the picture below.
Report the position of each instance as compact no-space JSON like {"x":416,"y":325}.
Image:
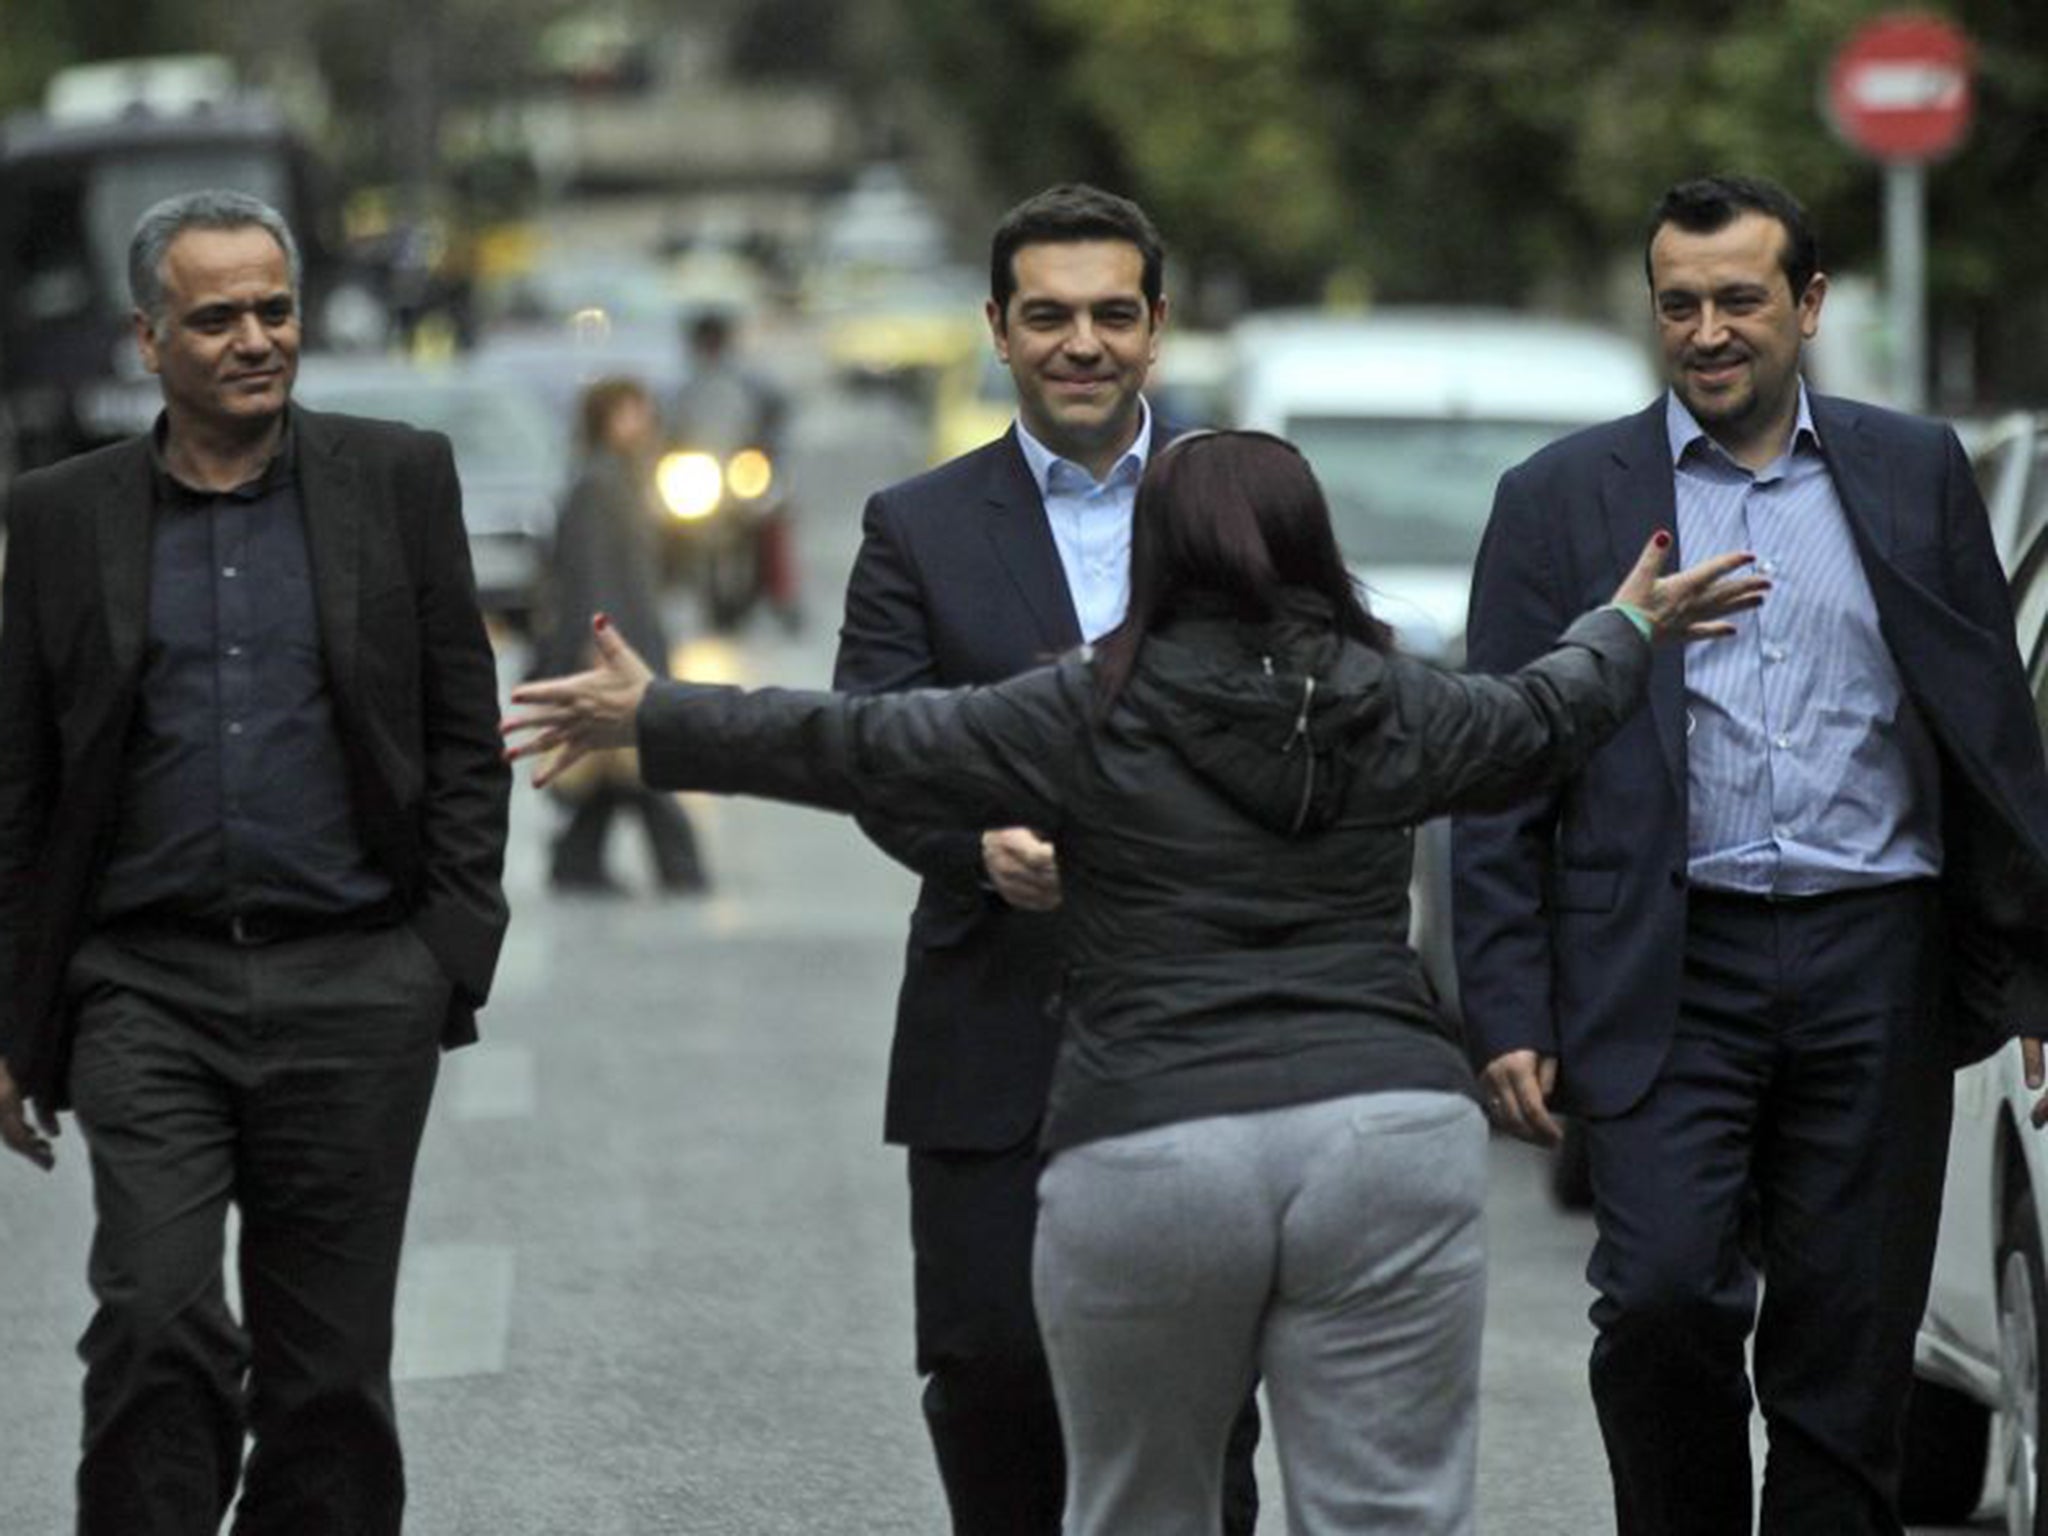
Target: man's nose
{"x":1710,"y":330}
{"x":250,"y":335}
{"x":1082,"y":340}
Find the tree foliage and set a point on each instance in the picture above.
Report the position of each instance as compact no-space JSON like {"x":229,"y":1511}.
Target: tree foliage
{"x":1491,"y":150}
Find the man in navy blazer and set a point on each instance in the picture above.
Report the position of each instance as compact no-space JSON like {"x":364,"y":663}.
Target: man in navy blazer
{"x":988,"y":565}
{"x":1750,"y":942}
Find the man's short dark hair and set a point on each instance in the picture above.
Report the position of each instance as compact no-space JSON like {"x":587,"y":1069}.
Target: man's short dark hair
{"x":1066,"y":213}
{"x":1711,"y":203}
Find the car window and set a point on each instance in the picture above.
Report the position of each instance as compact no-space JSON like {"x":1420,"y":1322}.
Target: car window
{"x":1412,"y":491}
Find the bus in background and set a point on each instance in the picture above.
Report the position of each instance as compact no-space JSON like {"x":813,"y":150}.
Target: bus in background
{"x":74,"y":178}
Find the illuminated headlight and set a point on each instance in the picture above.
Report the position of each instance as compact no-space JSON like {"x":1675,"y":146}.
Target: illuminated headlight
{"x":748,"y":474}
{"x":690,"y":485}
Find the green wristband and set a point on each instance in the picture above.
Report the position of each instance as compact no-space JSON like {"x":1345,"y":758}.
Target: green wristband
{"x":1637,"y":617}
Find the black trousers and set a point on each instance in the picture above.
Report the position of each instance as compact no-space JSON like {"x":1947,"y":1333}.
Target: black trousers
{"x":292,"y":1081}
{"x":988,"y":1399}
{"x":578,"y":856}
{"x":1802,"y":1116}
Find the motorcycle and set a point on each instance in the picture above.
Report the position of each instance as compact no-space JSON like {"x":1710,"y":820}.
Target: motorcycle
{"x":726,"y":532}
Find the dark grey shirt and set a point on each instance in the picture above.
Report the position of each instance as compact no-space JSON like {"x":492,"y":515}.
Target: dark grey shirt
{"x":234,"y":793}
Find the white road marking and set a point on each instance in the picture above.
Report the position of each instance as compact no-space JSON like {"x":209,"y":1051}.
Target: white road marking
{"x":454,"y":1311}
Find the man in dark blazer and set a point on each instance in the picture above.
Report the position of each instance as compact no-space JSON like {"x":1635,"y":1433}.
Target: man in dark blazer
{"x":1750,"y":942}
{"x":986,"y":566}
{"x":252,"y":818}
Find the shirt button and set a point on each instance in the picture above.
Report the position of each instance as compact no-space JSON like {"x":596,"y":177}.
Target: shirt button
{"x":1766,"y":567}
{"x":1781,"y":742}
{"x":229,"y":571}
{"x":234,"y":727}
{"x":1774,"y":653}
{"x":234,"y":650}
{"x":1782,"y":834}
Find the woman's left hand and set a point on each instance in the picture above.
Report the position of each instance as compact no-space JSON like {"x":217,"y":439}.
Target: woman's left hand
{"x":572,"y":717}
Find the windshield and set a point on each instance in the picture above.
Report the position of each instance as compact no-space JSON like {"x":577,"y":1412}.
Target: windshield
{"x":121,"y":189}
{"x":1414,"y":491}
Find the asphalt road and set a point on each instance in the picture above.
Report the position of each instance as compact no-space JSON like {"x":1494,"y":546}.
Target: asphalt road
{"x":658,"y":1282}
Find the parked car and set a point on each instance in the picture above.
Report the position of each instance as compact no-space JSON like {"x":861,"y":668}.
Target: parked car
{"x":1410,"y":418}
{"x":2010,"y":457}
{"x":509,"y":459}
{"x":1979,"y":1360}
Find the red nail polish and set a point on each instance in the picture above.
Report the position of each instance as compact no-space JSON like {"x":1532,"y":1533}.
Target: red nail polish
{"x":603,"y":621}
{"x":1663,"y":539}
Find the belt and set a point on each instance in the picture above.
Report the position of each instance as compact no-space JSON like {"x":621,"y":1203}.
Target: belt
{"x":249,"y":930}
{"x":1811,"y":899}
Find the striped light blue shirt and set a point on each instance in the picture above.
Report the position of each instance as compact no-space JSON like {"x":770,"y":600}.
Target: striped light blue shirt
{"x":1809,"y":770}
{"x":1091,"y":523}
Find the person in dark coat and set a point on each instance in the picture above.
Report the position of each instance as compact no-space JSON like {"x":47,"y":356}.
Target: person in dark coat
{"x":1266,"y":1155}
{"x":604,"y":560}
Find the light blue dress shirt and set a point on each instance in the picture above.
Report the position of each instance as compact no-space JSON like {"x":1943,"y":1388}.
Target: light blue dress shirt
{"x":1091,"y":523}
{"x":1809,"y":769}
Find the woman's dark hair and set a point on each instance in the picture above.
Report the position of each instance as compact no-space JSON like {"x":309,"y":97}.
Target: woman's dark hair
{"x":1062,"y":215}
{"x":600,"y":403}
{"x":1228,"y":521}
{"x":1710,"y":204}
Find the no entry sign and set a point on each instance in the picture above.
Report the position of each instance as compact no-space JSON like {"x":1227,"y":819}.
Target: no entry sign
{"x":1899,"y":89}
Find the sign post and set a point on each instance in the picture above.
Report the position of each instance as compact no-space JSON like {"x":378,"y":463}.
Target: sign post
{"x":1899,"y":90}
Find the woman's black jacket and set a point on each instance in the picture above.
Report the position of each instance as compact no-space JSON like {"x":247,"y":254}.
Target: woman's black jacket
{"x":1234,"y":834}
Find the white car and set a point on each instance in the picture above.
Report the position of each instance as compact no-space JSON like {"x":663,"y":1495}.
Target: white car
{"x":1979,"y":1356}
{"x":1410,"y":417}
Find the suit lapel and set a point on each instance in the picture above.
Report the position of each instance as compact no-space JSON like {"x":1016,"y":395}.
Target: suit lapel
{"x":1022,"y":540}
{"x":121,"y":538}
{"x":1856,"y":464}
{"x":1638,"y":497}
{"x":329,"y":500}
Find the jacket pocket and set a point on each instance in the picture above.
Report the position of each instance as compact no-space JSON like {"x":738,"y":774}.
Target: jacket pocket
{"x":1586,"y":890}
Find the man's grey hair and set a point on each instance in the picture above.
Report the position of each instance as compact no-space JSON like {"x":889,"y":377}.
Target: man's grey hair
{"x":213,"y":208}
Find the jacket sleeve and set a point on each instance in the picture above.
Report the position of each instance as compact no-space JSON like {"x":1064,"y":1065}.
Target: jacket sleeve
{"x":28,"y":754}
{"x":884,"y":647}
{"x":468,"y":784}
{"x":1501,"y":859}
{"x":990,"y":756}
{"x":1473,"y":742}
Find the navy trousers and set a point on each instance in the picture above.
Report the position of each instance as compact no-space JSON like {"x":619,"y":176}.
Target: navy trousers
{"x":1800,"y":1120}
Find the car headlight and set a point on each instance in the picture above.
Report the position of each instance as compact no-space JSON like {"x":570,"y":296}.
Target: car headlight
{"x":690,"y":485}
{"x":748,"y":474}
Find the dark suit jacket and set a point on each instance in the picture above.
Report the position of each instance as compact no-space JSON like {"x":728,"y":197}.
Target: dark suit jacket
{"x":1569,"y":911}
{"x":409,"y":669}
{"x":958,"y":581}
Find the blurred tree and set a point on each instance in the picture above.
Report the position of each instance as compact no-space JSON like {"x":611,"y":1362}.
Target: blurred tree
{"x":1489,"y":150}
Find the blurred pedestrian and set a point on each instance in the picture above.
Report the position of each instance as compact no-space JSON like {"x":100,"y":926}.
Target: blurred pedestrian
{"x":252,"y":816}
{"x":971,"y":573}
{"x":1751,"y":939}
{"x":1265,"y":1152}
{"x":604,"y":559}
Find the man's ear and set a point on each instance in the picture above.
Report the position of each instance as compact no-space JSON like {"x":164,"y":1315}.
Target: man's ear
{"x":1809,"y":305}
{"x":145,"y":340}
{"x":998,"y":328}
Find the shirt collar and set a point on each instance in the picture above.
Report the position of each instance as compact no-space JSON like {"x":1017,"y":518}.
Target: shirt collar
{"x":170,"y":489}
{"x":1042,"y":461}
{"x":1683,"y":430}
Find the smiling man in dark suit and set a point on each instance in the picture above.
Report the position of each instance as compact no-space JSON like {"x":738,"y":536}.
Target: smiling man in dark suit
{"x":1751,"y":940}
{"x":252,"y":817}
{"x":982,"y":568}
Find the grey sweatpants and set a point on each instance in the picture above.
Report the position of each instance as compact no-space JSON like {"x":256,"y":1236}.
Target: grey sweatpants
{"x":1335,"y":1249}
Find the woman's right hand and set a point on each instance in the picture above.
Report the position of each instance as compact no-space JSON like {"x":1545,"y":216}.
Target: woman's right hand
{"x":1695,"y":603}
